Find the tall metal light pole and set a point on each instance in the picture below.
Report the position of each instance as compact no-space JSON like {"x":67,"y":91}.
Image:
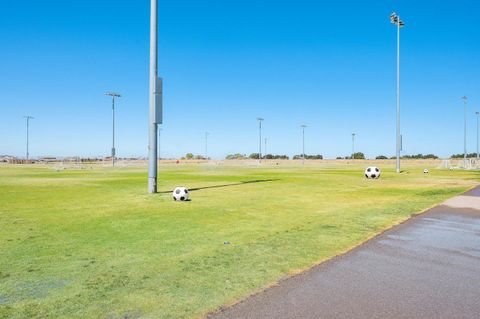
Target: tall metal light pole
{"x":206,"y":145}
{"x":265,"y":148}
{"x":159,"y":143}
{"x":113,"y":95}
{"x":465,"y":100}
{"x":260,"y":120}
{"x":28,"y":118}
{"x":478,"y":155}
{"x":156,"y":88}
{"x":395,"y":19}
{"x":353,"y":146}
{"x":303,"y":143}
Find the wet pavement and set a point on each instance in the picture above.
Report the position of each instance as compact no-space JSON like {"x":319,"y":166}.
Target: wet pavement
{"x":428,"y":267}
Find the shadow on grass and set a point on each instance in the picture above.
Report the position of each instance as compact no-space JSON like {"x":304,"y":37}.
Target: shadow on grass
{"x":226,"y":185}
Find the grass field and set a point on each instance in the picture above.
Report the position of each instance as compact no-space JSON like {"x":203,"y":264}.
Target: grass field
{"x":93,"y":244}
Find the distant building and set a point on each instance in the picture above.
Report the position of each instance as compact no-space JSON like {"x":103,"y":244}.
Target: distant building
{"x":7,"y":159}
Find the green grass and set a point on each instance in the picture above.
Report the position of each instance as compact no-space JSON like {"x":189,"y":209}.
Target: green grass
{"x":93,"y":244}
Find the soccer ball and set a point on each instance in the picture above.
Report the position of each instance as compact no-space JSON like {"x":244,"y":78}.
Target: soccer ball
{"x":372,"y":172}
{"x":181,"y":194}
{"x":425,"y":171}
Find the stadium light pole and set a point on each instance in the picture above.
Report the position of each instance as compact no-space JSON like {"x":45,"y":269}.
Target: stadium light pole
{"x":353,"y":146}
{"x":395,"y":19}
{"x":478,"y":155}
{"x":28,"y":118}
{"x":260,"y":120}
{"x":303,"y":143}
{"x":206,"y":145}
{"x":113,"y":95}
{"x":265,"y":149}
{"x":465,"y":100}
{"x":159,"y":143}
{"x":155,"y":100}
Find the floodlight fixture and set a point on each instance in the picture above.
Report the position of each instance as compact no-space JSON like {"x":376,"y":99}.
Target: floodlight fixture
{"x":395,"y":19}
{"x":113,"y":94}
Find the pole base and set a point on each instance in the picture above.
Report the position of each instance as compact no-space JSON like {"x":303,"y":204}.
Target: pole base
{"x":152,"y":185}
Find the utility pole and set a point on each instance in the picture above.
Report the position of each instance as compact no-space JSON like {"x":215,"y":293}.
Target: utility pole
{"x":395,"y":19}
{"x":113,"y":95}
{"x":156,"y":92}
{"x":28,"y":118}
{"x":260,"y":120}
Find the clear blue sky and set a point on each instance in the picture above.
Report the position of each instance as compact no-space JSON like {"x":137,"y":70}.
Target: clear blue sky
{"x":328,"y":64}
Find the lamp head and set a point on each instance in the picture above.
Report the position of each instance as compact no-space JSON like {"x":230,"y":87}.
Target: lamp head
{"x":395,"y":19}
{"x":113,"y":94}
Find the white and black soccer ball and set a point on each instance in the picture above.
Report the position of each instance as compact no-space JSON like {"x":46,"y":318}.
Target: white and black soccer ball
{"x":181,"y":194}
{"x":372,"y":172}
{"x":425,"y":171}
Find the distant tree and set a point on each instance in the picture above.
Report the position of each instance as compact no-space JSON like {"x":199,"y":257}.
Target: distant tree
{"x":254,"y":156}
{"x":359,"y":155}
{"x":420,"y":156}
{"x":381,"y":157}
{"x":236,"y":156}
{"x":469,"y":155}
{"x":189,"y":156}
{"x":339,"y":158}
{"x":297,"y":157}
{"x":199,"y":157}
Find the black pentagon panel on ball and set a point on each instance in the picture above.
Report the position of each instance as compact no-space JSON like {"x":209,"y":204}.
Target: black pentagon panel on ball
{"x":177,"y":191}
{"x":376,"y":169}
{"x":369,"y":169}
{"x":174,"y":198}
{"x":186,"y":191}
{"x":366,"y":175}
{"x":182,"y":198}
{"x":373,"y":175}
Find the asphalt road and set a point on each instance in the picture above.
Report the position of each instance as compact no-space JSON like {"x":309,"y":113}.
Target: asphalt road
{"x":428,"y":267}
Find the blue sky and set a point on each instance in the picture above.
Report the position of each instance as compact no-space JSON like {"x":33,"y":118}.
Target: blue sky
{"x":327,"y":64}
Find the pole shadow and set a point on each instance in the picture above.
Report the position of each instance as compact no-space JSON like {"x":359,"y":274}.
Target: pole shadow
{"x":226,"y":185}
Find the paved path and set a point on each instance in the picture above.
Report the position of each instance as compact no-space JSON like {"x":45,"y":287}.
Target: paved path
{"x":428,"y":267}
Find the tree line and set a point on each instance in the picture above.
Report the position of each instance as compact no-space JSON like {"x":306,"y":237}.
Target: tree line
{"x":357,"y":155}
